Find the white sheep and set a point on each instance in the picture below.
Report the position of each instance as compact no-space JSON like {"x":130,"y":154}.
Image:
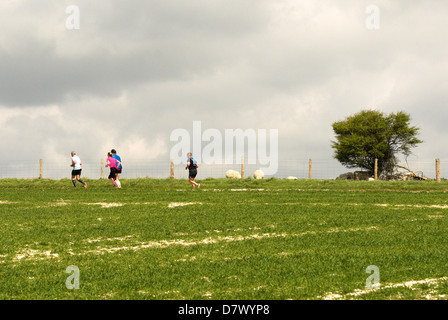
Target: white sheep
{"x":233,"y":174}
{"x":291,"y":178}
{"x":258,"y":174}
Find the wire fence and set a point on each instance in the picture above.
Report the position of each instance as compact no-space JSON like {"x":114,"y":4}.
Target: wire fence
{"x":135,"y":168}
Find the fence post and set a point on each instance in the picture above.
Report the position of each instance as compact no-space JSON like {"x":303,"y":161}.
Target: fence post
{"x":376,"y":169}
{"x":310,"y":168}
{"x":40,"y":169}
{"x":102,"y":169}
{"x":172,"y":169}
{"x":242,"y":167}
{"x":438,"y":170}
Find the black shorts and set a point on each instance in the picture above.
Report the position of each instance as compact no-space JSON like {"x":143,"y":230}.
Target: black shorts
{"x":113,"y":172}
{"x":192,"y":173}
{"x":76,"y":172}
{"x":119,"y":170}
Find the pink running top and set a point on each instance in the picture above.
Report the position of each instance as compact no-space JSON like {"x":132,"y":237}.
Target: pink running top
{"x":112,"y":162}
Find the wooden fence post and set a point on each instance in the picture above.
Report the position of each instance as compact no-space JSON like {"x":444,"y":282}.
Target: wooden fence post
{"x":310,"y":168}
{"x":40,"y":169}
{"x":242,"y":167}
{"x":376,"y":169}
{"x":172,"y":169}
{"x":438,"y":170}
{"x":102,"y":169}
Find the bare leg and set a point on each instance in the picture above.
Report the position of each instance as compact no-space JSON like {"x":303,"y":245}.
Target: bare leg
{"x":193,"y":184}
{"x":78,"y":177}
{"x":117,"y":182}
{"x":113,"y":182}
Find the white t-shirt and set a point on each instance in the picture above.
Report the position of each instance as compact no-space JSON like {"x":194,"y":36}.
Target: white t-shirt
{"x":76,"y":159}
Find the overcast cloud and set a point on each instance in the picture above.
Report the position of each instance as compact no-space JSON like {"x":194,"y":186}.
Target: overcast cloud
{"x":137,"y":70}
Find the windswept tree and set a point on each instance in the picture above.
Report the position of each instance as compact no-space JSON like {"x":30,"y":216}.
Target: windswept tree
{"x":370,"y":135}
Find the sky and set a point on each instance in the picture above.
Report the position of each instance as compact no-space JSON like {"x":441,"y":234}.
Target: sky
{"x":135,"y":71}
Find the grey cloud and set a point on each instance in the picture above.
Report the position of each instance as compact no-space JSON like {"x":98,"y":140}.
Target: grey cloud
{"x":144,"y":68}
{"x":163,"y":40}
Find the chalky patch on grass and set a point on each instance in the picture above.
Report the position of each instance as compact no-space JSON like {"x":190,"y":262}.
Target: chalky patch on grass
{"x":182,"y":204}
{"x":106,"y":205}
{"x":412,"y":284}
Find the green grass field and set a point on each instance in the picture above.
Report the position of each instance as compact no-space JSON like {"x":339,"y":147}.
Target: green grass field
{"x":231,"y":239}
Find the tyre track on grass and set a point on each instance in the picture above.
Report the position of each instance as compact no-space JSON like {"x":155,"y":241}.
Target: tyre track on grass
{"x":431,"y":294}
{"x":214,"y":240}
{"x":36,"y":255}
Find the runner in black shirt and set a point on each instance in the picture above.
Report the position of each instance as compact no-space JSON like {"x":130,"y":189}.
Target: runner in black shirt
{"x":192,"y":167}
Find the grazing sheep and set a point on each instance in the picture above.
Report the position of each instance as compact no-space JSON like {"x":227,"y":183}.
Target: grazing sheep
{"x":346,"y":176}
{"x":233,"y":174}
{"x":258,"y":174}
{"x":291,"y":178}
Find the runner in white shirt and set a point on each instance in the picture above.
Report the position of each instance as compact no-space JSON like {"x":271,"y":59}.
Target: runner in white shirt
{"x":76,"y":172}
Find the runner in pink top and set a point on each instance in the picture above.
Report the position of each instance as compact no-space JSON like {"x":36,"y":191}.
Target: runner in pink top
{"x":113,"y":164}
